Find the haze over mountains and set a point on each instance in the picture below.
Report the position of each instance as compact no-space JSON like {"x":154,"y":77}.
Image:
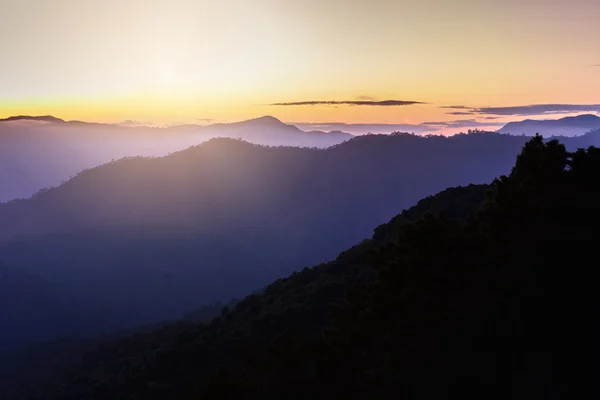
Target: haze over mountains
{"x":205,"y":224}
{"x":292,"y":200}
{"x":453,"y":291}
{"x":39,"y":152}
{"x":567,"y":126}
{"x":141,"y":240}
{"x":43,"y":151}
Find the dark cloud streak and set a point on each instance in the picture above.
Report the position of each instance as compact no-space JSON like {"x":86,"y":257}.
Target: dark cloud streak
{"x":461,"y":113}
{"x":383,"y":103}
{"x":537,"y":109}
{"x":533,"y":109}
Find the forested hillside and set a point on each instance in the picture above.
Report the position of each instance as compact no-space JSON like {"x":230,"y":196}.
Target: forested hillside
{"x":303,"y":299}
{"x":497,"y":305}
{"x":142,"y":240}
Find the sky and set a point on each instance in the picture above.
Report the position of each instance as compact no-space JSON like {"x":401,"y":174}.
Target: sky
{"x":184,"y":61}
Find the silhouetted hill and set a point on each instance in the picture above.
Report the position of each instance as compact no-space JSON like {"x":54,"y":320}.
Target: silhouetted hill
{"x":568,"y":126}
{"x":309,"y":293}
{"x":148,"y":239}
{"x":262,"y":122}
{"x":500,"y":304}
{"x":43,"y":118}
{"x":38,"y":152}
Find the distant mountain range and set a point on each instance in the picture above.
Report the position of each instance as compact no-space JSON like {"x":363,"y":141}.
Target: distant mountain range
{"x":42,"y":151}
{"x":140,"y":240}
{"x":42,"y":118}
{"x":568,"y":126}
{"x":269,"y":131}
{"x":38,"y":152}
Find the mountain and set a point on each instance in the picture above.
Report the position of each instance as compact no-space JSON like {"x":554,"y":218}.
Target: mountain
{"x":328,"y":282}
{"x":147,"y":239}
{"x":270,"y":131}
{"x":465,"y":296}
{"x":568,"y":126}
{"x":40,"y":152}
{"x":43,"y":118}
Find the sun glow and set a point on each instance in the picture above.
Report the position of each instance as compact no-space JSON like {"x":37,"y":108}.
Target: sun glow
{"x":180,"y":60}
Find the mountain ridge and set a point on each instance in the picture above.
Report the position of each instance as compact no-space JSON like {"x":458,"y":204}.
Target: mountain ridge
{"x":330,"y":280}
{"x":259,"y":122}
{"x":202,"y":215}
{"x":52,"y":150}
{"x":469,"y":294}
{"x":44,"y":118}
{"x":566,"y":126}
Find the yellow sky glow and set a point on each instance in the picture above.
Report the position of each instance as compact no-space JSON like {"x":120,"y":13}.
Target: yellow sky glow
{"x":179,"y":61}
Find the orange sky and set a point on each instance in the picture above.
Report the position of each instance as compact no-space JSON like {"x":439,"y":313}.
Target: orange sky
{"x":179,"y":61}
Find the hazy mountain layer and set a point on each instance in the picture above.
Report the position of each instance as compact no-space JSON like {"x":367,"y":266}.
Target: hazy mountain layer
{"x":146,"y":239}
{"x":310,"y":292}
{"x":39,"y":152}
{"x":456,"y":298}
{"x":568,"y":126}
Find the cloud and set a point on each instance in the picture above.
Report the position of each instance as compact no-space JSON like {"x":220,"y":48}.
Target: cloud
{"x":383,"y":103}
{"x":537,"y":109}
{"x":461,"y":123}
{"x":361,"y":129}
{"x":366,"y":98}
{"x":434,"y":123}
{"x":130,"y":122}
{"x":467,"y":110}
{"x":461,"y":113}
{"x":425,"y":127}
{"x":533,"y":109}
